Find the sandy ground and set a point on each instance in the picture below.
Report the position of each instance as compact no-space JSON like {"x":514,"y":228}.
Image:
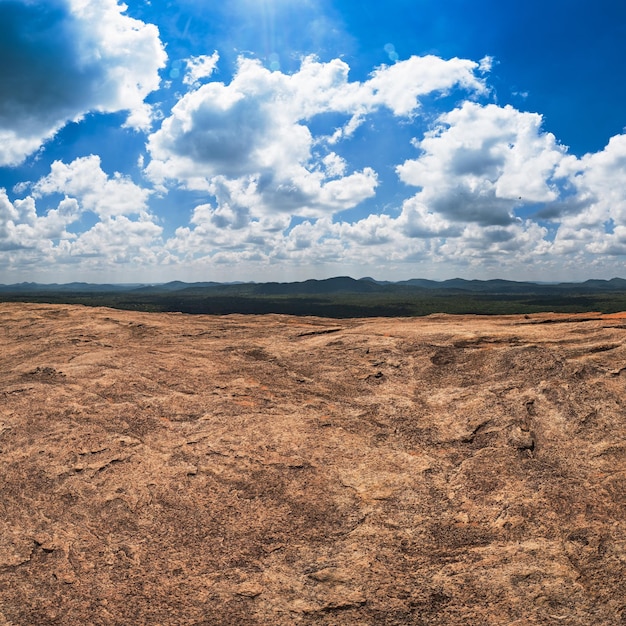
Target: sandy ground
{"x":167,"y":469}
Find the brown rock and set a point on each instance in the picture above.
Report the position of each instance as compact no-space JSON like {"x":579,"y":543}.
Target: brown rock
{"x":331,"y":575}
{"x":249,"y":590}
{"x":170,"y":469}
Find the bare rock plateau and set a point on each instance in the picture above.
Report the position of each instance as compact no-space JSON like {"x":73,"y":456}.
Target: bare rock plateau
{"x":167,"y":469}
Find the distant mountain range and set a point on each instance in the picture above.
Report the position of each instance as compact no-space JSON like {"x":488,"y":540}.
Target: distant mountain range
{"x":336,"y":285}
{"x":336,"y":297}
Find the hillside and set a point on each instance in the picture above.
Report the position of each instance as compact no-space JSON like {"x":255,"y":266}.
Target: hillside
{"x":199,"y":470}
{"x":338,"y":297}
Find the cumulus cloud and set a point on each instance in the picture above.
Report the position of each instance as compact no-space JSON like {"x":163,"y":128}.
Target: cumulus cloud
{"x":250,"y":146}
{"x":252,"y":137}
{"x":125,"y":234}
{"x":119,"y":241}
{"x":593,"y":217}
{"x":200,"y":67}
{"x":418,"y":221}
{"x":481,"y":162}
{"x":65,"y":58}
{"x":487,"y":188}
{"x":399,"y":86}
{"x":597,"y":179}
{"x":501,"y":246}
{"x":217,"y":230}
{"x":85,"y":180}
{"x":22,"y":229}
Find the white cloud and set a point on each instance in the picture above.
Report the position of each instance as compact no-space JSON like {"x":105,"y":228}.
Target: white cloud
{"x":119,"y":241}
{"x":399,"y":86}
{"x":334,"y":165}
{"x":374,"y":230}
{"x":128,"y":51}
{"x":273,"y":179}
{"x":417,"y":221}
{"x":486,"y":63}
{"x":200,"y":67}
{"x":250,"y":145}
{"x":481,"y":162}
{"x":22,"y":229}
{"x":593,"y":216}
{"x":503,"y":245}
{"x":124,"y":237}
{"x":217,"y":230}
{"x":84,"y":179}
{"x":67,"y":59}
{"x":248,"y":140}
{"x":597,"y":179}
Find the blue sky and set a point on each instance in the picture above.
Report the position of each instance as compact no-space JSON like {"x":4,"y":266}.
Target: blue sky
{"x":280,"y":140}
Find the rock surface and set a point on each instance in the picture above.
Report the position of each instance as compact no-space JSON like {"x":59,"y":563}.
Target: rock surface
{"x":175,"y":470}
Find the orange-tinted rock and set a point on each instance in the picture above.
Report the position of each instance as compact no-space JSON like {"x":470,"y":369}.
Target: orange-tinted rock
{"x":170,"y":469}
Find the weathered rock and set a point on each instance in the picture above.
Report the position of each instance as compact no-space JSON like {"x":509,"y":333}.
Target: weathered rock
{"x":169,"y":469}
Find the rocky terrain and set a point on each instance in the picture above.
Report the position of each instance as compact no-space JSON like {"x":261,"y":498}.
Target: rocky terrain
{"x":169,"y":470}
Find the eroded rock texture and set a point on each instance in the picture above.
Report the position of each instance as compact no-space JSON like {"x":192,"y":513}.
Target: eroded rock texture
{"x":177,"y":470}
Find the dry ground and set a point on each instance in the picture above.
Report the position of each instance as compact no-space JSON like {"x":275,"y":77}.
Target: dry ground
{"x":174,"y":470}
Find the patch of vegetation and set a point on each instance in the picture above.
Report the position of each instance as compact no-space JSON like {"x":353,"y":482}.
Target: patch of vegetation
{"x":396,"y":301}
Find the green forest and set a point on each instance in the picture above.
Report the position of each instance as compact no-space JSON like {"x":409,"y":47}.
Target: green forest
{"x":340,"y":297}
